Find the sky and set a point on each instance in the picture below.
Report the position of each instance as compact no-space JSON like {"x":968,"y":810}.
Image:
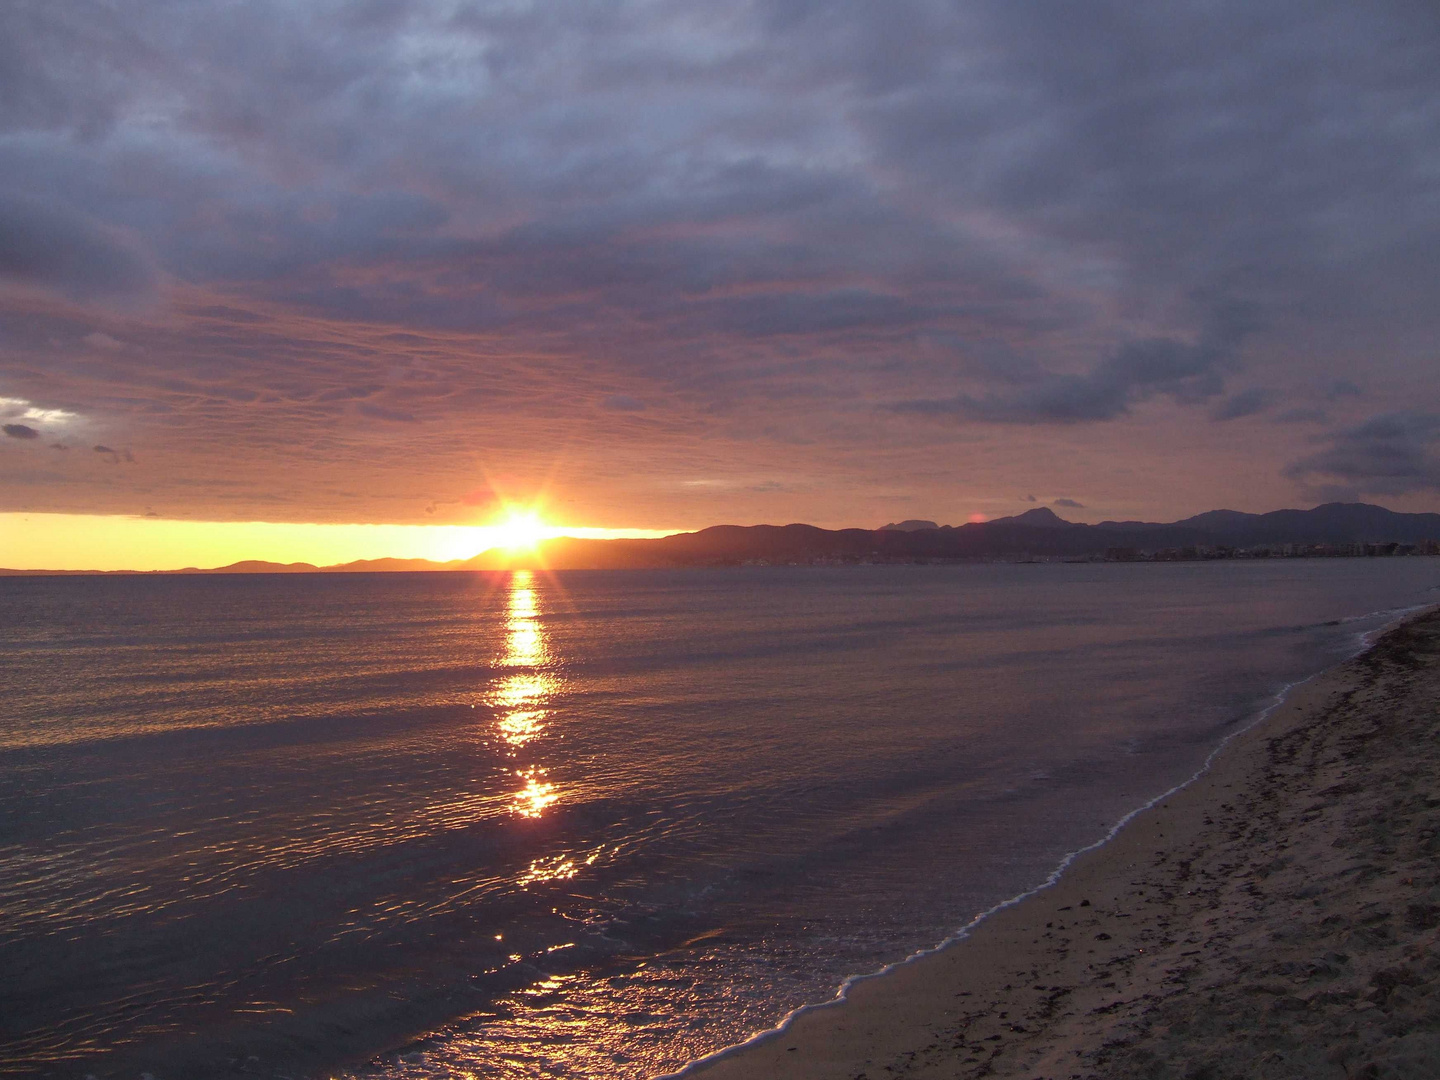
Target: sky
{"x":657,"y":266}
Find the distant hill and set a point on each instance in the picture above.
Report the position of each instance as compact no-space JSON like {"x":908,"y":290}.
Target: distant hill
{"x":257,"y":566}
{"x":1035,"y":533}
{"x":1042,"y":517}
{"x":1333,"y":523}
{"x":1038,"y":533}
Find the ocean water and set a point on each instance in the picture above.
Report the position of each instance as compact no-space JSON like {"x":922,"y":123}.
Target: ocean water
{"x":583,"y":824}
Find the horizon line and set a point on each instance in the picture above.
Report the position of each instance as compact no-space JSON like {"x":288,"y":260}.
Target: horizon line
{"x":443,"y":541}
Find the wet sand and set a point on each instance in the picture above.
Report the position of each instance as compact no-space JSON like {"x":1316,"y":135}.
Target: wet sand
{"x":1279,"y":917}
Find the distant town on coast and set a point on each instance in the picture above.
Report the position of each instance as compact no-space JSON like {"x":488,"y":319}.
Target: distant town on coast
{"x":1334,"y":530}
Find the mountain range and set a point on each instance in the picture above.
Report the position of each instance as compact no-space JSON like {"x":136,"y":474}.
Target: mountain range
{"x":1035,"y":533}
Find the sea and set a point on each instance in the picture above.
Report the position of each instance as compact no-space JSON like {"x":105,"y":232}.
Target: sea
{"x":578,"y":824}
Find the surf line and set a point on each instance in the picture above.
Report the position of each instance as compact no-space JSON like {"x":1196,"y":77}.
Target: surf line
{"x":1362,"y":642}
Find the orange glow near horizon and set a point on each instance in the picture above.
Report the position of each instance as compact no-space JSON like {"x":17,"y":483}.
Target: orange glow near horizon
{"x":113,"y":542}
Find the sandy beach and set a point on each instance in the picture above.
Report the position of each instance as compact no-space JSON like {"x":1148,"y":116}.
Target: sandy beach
{"x":1276,"y":918}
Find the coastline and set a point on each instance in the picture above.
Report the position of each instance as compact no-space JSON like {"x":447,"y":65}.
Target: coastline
{"x":1275,"y":916}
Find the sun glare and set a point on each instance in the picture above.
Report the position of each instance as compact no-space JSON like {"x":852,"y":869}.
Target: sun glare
{"x":520,"y":530}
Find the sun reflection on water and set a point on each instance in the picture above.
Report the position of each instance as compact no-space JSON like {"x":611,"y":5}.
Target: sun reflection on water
{"x":525,"y":640}
{"x":522,"y":596}
{"x":557,"y":868}
{"x":520,"y":698}
{"x":526,"y":646}
{"x":560,"y":868}
{"x":538,"y":793}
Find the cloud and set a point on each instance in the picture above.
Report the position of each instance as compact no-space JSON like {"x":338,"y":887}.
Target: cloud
{"x":624,"y":403}
{"x":778,"y":218}
{"x":1187,"y":372}
{"x":1342,"y":388}
{"x":48,"y":246}
{"x":1390,"y":454}
{"x":1071,"y":503}
{"x":1304,"y":416}
{"x":21,"y":431}
{"x":381,"y":412}
{"x":1246,"y":403}
{"x":1155,"y":137}
{"x":28,"y":410}
{"x":115,"y":456}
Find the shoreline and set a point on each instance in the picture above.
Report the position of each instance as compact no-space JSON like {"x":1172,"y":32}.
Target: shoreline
{"x":1005,"y":996}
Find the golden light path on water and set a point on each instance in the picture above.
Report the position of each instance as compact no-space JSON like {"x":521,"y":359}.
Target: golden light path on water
{"x":521,"y":698}
{"x":551,"y":1032}
{"x":567,"y":1022}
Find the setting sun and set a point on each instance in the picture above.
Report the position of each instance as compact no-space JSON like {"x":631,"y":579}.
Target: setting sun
{"x":520,"y":529}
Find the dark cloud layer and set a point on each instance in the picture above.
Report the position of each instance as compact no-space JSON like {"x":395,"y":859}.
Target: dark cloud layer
{"x":1245,"y":403}
{"x":634,"y":253}
{"x":1186,"y":371}
{"x":55,"y":248}
{"x":1392,"y":454}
